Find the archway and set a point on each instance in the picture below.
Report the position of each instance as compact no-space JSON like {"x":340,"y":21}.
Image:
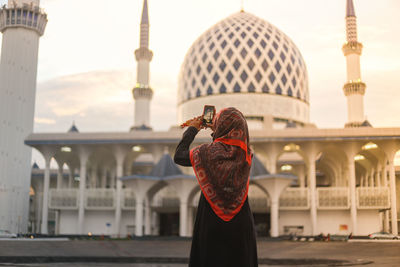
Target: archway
{"x":291,"y":161}
{"x":165,"y":203}
{"x":260,"y":207}
{"x":373,"y":192}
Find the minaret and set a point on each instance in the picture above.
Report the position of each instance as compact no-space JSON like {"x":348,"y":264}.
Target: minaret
{"x":22,"y":23}
{"x":142,"y":93}
{"x":354,"y":89}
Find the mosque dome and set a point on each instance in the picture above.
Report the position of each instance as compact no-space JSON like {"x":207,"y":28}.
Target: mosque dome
{"x":245,"y":62}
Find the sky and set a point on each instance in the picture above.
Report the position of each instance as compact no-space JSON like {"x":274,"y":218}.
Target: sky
{"x":86,"y":67}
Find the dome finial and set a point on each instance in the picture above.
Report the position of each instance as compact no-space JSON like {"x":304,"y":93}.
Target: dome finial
{"x":242,"y":6}
{"x":73,"y":128}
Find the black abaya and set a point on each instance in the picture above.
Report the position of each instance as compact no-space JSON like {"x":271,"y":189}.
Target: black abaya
{"x":218,"y":243}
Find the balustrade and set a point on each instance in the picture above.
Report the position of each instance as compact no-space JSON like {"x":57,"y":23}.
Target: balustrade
{"x":259,"y":204}
{"x":294,"y":199}
{"x":63,"y":199}
{"x":373,"y":197}
{"x":128,"y":199}
{"x":100,"y":198}
{"x":333,"y":198}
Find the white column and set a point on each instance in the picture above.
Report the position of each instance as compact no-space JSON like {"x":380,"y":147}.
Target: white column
{"x":372,"y":178}
{"x":113,"y":178}
{"x":119,"y":153}
{"x":57,"y":222}
{"x":352,"y":186}
{"x":83,"y":158}
{"x":383,"y":175}
{"x":183,"y":187}
{"x":274,"y":187}
{"x":139,"y":217}
{"x":118,"y":206}
{"x":46,"y":184}
{"x":155,"y":223}
{"x":71,"y":176}
{"x":345,"y":175}
{"x":147,"y":217}
{"x":103,"y":183}
{"x":274,"y":217}
{"x":378,"y":177}
{"x":386,"y":212}
{"x":393,"y":198}
{"x":190,"y":221}
{"x":39,"y":206}
{"x":311,"y":151}
{"x":183,"y":220}
{"x":93,"y":176}
{"x":340,"y":174}
{"x":313,"y":200}
{"x":302,"y":182}
{"x":141,"y":188}
{"x":60,"y":175}
{"x":272,"y":151}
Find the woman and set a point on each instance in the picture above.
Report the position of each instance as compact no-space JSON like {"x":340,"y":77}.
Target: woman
{"x":224,"y":234}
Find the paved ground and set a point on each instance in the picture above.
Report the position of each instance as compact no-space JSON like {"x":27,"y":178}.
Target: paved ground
{"x":111,"y":265}
{"x":271,"y":253}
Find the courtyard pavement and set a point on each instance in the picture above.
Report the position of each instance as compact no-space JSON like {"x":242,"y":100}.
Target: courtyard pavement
{"x":174,"y":253}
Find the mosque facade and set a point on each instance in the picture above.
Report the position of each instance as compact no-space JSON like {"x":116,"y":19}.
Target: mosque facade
{"x":304,"y":180}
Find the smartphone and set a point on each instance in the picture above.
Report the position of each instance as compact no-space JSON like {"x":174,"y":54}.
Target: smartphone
{"x":208,"y":114}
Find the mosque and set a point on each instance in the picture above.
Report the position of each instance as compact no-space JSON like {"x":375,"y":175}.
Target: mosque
{"x":304,"y":180}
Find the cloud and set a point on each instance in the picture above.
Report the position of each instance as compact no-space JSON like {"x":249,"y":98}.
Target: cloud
{"x":44,"y":121}
{"x":100,"y":101}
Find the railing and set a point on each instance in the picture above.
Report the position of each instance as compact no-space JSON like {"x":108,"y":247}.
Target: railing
{"x":166,"y":202}
{"x":259,"y":204}
{"x":23,"y":16}
{"x":333,"y":198}
{"x":128,"y":201}
{"x":294,"y":199}
{"x":63,"y":199}
{"x":100,"y":198}
{"x":373,"y":197}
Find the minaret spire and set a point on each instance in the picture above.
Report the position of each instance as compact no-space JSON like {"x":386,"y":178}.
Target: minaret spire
{"x":142,"y":93}
{"x":350,"y":9}
{"x":354,"y":88}
{"x":144,"y":26}
{"x":351,"y":22}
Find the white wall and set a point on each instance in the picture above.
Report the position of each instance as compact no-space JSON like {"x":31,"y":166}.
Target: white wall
{"x":329,"y":222}
{"x":68,"y":222}
{"x":295,"y":218}
{"x":368,"y":222}
{"x":127,"y":219}
{"x":95,"y":222}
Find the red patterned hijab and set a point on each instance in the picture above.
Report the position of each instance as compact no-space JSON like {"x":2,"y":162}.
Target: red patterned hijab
{"x":222,"y":168}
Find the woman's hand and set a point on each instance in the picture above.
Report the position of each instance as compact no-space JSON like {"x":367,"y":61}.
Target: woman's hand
{"x":196,"y":122}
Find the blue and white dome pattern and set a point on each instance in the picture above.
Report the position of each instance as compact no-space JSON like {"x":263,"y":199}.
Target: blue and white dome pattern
{"x":243,"y":54}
